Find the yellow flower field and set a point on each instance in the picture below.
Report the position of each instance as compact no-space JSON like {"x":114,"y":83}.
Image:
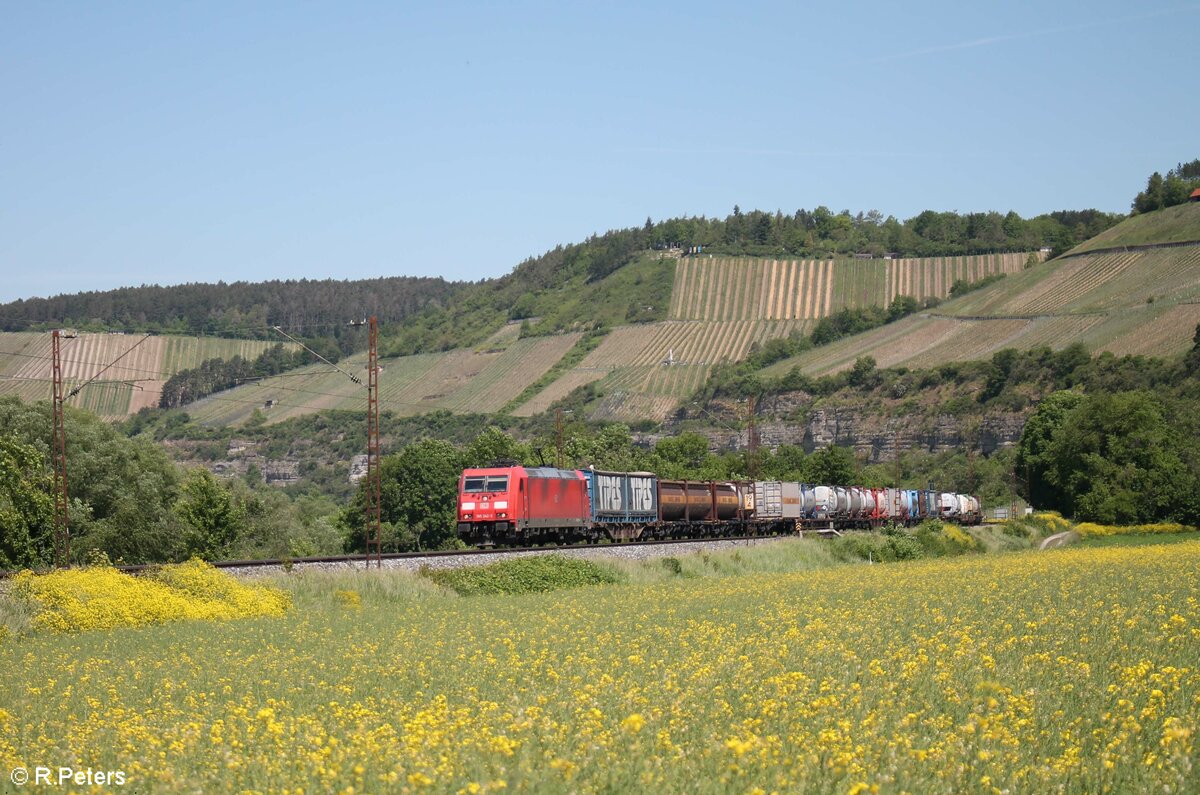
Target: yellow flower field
{"x":100,"y":597}
{"x":1065,"y":671}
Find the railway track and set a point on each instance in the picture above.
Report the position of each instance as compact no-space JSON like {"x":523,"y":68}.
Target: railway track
{"x":455,"y":557}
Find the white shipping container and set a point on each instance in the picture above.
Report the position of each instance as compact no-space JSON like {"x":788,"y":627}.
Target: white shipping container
{"x":857,"y":501}
{"x":768,"y":496}
{"x":791,"y":501}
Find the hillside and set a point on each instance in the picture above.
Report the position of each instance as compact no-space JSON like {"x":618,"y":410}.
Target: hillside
{"x":482,"y":379}
{"x":721,"y":307}
{"x":1178,"y":224}
{"x":135,"y":382}
{"x":657,"y":323}
{"x":1144,"y":301}
{"x":716,"y":310}
{"x":606,"y":280}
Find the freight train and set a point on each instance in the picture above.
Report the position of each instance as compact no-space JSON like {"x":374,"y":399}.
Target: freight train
{"x":508,"y":505}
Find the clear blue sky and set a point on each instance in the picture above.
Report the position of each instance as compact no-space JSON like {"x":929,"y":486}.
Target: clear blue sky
{"x":169,"y":142}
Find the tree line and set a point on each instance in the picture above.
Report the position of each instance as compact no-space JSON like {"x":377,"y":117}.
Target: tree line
{"x":131,"y":502}
{"x":243,"y":310}
{"x":1162,"y":192}
{"x":214,"y":375}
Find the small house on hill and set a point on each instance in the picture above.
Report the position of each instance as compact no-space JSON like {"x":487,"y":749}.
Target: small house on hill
{"x":1195,"y":197}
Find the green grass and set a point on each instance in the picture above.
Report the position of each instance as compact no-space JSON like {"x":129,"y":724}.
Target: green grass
{"x":464,"y":380}
{"x":533,"y":574}
{"x":1137,"y":540}
{"x":186,"y":352}
{"x":1176,"y":224}
{"x":523,"y":362}
{"x":640,"y":291}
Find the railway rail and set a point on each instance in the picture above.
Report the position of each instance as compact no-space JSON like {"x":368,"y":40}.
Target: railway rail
{"x":362,"y":562}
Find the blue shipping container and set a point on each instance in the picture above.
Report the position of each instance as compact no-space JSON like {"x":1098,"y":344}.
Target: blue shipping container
{"x":622,"y":497}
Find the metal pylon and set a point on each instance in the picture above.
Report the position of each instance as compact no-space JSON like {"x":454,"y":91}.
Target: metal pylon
{"x":58,"y":454}
{"x":374,"y":480}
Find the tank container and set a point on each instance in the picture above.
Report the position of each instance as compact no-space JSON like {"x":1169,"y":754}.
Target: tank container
{"x":824,"y":502}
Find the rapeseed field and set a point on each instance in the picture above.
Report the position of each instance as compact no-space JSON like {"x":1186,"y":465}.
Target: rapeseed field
{"x":1075,"y":670}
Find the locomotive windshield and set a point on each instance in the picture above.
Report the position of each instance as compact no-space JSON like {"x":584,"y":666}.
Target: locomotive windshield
{"x":477,"y":483}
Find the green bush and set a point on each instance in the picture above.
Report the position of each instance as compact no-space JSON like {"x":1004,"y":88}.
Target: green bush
{"x":940,"y":540}
{"x":876,"y":547}
{"x":533,"y":574}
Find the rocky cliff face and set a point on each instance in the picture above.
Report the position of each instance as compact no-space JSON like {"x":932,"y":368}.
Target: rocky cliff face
{"x":874,"y":430}
{"x":876,"y":438}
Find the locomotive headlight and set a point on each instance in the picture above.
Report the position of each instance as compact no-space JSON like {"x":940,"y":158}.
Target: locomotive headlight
{"x":498,"y":504}
{"x":502,"y":515}
{"x":468,"y":506}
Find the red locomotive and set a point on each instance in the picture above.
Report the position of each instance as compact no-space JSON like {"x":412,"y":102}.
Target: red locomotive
{"x":526,"y":503}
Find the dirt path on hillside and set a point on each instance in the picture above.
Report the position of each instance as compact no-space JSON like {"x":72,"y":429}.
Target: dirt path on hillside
{"x":1059,"y":540}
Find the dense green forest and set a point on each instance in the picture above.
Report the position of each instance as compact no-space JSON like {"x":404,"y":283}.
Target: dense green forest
{"x":245,"y":310}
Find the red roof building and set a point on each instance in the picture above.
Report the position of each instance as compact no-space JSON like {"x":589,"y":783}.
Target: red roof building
{"x":1195,"y":197}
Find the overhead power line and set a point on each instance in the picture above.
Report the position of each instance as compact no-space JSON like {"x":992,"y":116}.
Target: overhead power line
{"x":131,"y":349}
{"x":351,"y":376}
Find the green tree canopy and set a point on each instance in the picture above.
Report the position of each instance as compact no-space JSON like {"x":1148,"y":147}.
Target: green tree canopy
{"x":26,"y":507}
{"x":121,"y":489}
{"x":493,"y":445}
{"x":419,"y":498}
{"x":213,"y":521}
{"x":1110,"y":458}
{"x":1033,"y":461}
{"x":830,"y":465}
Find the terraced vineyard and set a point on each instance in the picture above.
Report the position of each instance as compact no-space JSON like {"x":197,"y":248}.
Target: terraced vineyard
{"x":462,"y":380}
{"x":1139,"y":302}
{"x":721,"y":307}
{"x":723,"y":289}
{"x":662,"y":362}
{"x":131,"y":384}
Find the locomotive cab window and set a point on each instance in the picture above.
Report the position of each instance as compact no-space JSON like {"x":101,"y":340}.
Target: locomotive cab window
{"x":478,"y":483}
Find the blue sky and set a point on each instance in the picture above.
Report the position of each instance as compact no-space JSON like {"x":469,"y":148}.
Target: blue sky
{"x":173,"y":142}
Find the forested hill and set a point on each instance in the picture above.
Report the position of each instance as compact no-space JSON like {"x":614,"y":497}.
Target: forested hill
{"x":432,"y":314}
{"x":314,"y":308}
{"x":569,"y":287}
